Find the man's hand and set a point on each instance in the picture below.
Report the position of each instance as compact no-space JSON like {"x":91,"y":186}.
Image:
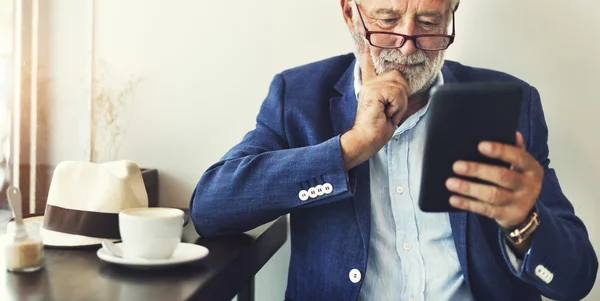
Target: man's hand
{"x":510,"y":202}
{"x":382,"y":103}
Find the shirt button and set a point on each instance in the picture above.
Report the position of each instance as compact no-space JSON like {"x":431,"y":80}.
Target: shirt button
{"x":412,"y":299}
{"x":397,"y":137}
{"x":400,"y":189}
{"x":406,"y":246}
{"x":355,"y":276}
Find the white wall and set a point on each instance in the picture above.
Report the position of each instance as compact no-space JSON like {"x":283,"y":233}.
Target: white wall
{"x":204,"y":68}
{"x":553,"y":45}
{"x":65,"y":79}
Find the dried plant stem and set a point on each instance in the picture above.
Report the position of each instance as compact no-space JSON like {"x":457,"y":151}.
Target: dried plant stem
{"x":112,"y":104}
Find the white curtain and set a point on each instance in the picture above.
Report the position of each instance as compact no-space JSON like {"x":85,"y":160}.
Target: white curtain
{"x":6,"y":54}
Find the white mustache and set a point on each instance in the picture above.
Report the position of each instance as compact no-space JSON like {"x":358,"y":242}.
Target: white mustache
{"x":395,"y":56}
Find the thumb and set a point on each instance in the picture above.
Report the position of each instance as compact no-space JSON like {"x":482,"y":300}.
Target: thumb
{"x":519,"y":141}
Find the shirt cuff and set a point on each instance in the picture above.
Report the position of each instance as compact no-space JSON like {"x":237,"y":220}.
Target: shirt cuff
{"x":516,"y":263}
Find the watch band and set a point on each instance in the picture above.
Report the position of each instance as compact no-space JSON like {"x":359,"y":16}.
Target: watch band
{"x":523,"y":231}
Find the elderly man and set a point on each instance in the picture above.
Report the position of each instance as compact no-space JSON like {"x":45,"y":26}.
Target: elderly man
{"x":338,"y":145}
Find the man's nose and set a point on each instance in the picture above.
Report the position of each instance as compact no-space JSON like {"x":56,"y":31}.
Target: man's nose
{"x":409,"y":46}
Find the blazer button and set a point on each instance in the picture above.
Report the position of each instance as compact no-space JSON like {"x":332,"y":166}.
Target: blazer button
{"x":355,"y":276}
{"x":543,"y":273}
{"x":303,"y":195}
{"x":320,"y":190}
{"x":328,"y":188}
{"x":312,"y":192}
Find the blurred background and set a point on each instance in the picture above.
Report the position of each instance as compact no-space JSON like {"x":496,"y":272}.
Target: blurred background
{"x":173,"y":85}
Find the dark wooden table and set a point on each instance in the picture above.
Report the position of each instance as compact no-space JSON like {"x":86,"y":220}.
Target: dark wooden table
{"x":227,"y":271}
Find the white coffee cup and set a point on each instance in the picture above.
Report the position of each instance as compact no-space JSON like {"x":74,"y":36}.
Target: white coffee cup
{"x":151,"y":233}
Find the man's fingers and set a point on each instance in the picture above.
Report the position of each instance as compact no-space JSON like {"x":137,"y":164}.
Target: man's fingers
{"x":503,"y":177}
{"x":367,"y":69}
{"x":482,"y":208}
{"x":396,"y":77}
{"x":520,"y":142}
{"x":487,"y":193}
{"x":394,"y":99}
{"x":396,"y":118}
{"x":395,"y":113}
{"x":516,"y":156}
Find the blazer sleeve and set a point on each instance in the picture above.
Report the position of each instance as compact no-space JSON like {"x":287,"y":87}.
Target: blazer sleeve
{"x":561,"y":262}
{"x":262,"y":178}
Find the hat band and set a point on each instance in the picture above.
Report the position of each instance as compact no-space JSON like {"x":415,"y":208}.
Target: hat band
{"x":79,"y":222}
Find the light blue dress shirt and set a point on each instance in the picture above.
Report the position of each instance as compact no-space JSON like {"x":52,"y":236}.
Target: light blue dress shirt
{"x":412,"y":255}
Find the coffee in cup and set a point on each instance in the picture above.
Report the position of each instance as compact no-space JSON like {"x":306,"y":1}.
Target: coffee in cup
{"x":151,"y":233}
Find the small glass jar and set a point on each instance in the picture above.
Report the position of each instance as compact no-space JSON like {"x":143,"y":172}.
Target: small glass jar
{"x":24,"y":254}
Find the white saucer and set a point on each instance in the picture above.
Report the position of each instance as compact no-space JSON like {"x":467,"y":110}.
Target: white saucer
{"x":184,"y":253}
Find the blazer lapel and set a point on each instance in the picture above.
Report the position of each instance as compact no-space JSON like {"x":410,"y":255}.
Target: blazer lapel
{"x":342,"y":107}
{"x":458,"y":220}
{"x":342,"y":110}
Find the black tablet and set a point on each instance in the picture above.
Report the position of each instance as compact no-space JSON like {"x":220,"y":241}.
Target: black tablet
{"x":461,"y":116}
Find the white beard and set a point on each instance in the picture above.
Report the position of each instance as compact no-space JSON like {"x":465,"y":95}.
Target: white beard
{"x":419,"y":78}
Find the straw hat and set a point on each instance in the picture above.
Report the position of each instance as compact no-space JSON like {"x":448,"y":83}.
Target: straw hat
{"x":84,"y":201}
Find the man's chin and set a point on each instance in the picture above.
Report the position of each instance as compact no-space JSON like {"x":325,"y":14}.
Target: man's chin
{"x":413,"y":75}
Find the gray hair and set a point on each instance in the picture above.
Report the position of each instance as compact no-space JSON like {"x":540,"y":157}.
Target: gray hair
{"x":453,"y":3}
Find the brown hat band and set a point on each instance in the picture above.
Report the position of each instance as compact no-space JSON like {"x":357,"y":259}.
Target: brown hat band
{"x":79,"y":222}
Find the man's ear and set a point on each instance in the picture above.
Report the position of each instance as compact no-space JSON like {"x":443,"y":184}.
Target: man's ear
{"x":456,"y":6}
{"x":347,"y":12}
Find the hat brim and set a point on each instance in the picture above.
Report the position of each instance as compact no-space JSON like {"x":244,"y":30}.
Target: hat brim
{"x":58,"y":239}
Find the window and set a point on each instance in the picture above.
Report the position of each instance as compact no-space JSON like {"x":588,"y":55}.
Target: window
{"x":38,"y":134}
{"x":6,"y":55}
{"x":18,"y":100}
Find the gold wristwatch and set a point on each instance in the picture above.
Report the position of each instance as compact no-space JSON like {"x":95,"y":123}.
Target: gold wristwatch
{"x":523,"y":231}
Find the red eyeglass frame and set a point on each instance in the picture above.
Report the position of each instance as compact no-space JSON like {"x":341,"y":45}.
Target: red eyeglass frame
{"x":412,"y":38}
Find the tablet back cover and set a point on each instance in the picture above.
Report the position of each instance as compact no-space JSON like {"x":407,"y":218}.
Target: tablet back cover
{"x":461,"y":116}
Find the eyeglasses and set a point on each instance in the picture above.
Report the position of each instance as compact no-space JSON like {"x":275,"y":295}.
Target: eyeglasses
{"x":392,"y":40}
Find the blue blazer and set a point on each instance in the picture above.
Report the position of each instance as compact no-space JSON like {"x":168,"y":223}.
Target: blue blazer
{"x":296,"y":145}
